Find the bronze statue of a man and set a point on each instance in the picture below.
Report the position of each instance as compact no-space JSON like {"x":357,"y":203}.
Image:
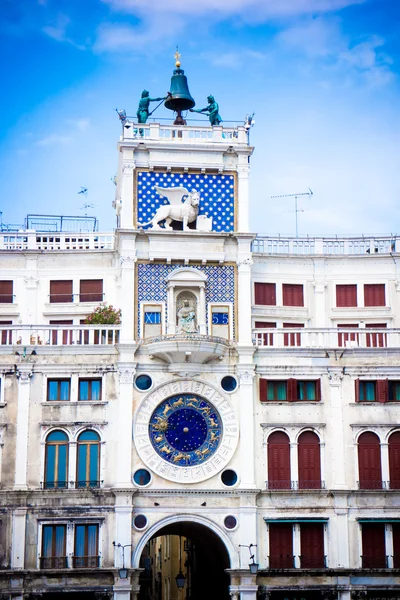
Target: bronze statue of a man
{"x":212,"y":110}
{"x":144,"y":104}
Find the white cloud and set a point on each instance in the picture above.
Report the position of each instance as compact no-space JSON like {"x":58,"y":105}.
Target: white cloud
{"x":54,"y":139}
{"x":58,"y":31}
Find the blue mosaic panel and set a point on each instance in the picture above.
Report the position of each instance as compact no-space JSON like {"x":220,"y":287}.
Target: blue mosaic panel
{"x":152,"y":284}
{"x":217,"y":195}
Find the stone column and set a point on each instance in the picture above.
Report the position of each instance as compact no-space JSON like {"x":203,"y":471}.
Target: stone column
{"x":128,"y":293}
{"x":247,"y":446}
{"x":24,"y":374}
{"x":243,"y":197}
{"x":294,"y":464}
{"x":123,"y":425}
{"x":338,"y":471}
{"x":18,"y":538}
{"x":385,"y":464}
{"x":126,"y":191}
{"x":342,"y":534}
{"x":171,"y":323}
{"x":296,"y":545}
{"x":202,"y":311}
{"x":243,"y":324}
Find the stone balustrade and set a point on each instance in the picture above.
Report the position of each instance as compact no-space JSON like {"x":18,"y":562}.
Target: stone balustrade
{"x":326,"y":245}
{"x":180,"y":134}
{"x":330,"y":337}
{"x":32,"y":240}
{"x":58,"y":335}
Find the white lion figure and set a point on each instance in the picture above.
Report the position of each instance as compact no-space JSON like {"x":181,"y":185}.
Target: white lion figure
{"x":177,"y":210}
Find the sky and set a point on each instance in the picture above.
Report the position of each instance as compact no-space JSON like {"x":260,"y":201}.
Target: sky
{"x":321,"y":76}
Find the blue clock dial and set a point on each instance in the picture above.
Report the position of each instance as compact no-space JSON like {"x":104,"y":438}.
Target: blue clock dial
{"x":185,"y":430}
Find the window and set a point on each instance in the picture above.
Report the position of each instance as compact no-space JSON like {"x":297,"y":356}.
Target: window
{"x":5,"y":334}
{"x":371,"y":391}
{"x":88,"y":453}
{"x":61,"y":291}
{"x":346,"y":295}
{"x":265,"y":339}
{"x":265,"y":294}
{"x":281,"y":546}
{"x":86,"y":546}
{"x":53,"y":547}
{"x":58,"y":389}
{"x":376,"y":340}
{"x":396,"y":545}
{"x":292,"y":339}
{"x":369,"y":462}
{"x":394,"y":391}
{"x":56,"y":460}
{"x":309,"y":461}
{"x":373,"y":546}
{"x":292,"y":390}
{"x":91,"y":290}
{"x":312,"y":546}
{"x":394,"y":461}
{"x":220,"y":321}
{"x":292,"y":294}
{"x":374,"y":294}
{"x":152,"y":320}
{"x":63,"y":336}
{"x":89,"y":389}
{"x":278,"y":461}
{"x":6,"y":292}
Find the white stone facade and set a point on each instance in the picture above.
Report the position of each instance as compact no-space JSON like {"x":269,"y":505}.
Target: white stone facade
{"x":330,"y":352}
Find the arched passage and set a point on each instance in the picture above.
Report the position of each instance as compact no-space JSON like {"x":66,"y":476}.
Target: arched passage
{"x":194,"y":548}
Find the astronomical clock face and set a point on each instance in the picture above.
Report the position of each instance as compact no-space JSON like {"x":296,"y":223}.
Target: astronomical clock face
{"x":185,"y":431}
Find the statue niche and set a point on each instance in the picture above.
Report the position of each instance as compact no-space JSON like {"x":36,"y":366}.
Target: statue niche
{"x":186,"y":313}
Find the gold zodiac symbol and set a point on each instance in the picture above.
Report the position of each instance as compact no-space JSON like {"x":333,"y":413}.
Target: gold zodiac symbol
{"x":213,"y":436}
{"x":166,"y":450}
{"x":213,"y":423}
{"x":178,"y":403}
{"x":179,"y":456}
{"x":206,"y":410}
{"x":158,"y":439}
{"x":192,"y":402}
{"x":166,"y":410}
{"x":201,"y":453}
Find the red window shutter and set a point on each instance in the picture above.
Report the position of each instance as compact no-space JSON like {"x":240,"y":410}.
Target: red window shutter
{"x":263,"y":390}
{"x":265,"y":293}
{"x":281,"y":545}
{"x":6,"y":292}
{"x":91,"y":290}
{"x":312,"y":545}
{"x":376,"y":340}
{"x":373,"y":545}
{"x":292,"y":390}
{"x":318,"y":390}
{"x":5,"y":335}
{"x":382,"y":387}
{"x":346,"y":295}
{"x":394,"y":461}
{"x":309,"y":461}
{"x":268,"y":338}
{"x":347,"y":337}
{"x":278,"y":461}
{"x":369,"y":461}
{"x":60,"y":291}
{"x":292,"y":339}
{"x":396,"y":545}
{"x":292,"y":294}
{"x":357,"y":389}
{"x":56,"y":334}
{"x":374,"y":294}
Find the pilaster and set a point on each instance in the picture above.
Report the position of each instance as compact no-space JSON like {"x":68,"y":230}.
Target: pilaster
{"x":24,"y":374}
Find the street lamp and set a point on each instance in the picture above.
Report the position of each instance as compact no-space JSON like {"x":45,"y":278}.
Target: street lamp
{"x":253,"y":566}
{"x":122,"y":572}
{"x":180,"y":578}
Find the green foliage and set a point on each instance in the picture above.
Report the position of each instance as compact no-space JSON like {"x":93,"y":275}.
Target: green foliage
{"x":104,"y":315}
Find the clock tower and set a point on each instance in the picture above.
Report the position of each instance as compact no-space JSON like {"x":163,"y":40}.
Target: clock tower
{"x":184,"y":243}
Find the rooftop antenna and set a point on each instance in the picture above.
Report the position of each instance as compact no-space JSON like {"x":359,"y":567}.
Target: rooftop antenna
{"x":296,"y":210}
{"x":85,"y":206}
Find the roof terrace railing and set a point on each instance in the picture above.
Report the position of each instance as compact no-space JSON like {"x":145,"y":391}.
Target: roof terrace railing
{"x":22,"y":336}
{"x":31,"y":240}
{"x":180,"y":134}
{"x":330,"y":337}
{"x":329,"y":245}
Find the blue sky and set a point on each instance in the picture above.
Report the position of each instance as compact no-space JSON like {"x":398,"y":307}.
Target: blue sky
{"x":322,"y":77}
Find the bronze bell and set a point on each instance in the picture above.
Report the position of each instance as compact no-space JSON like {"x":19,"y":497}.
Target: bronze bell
{"x":179,"y":97}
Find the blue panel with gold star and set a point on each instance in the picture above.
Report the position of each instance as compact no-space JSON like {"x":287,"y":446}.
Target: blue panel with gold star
{"x":217,"y":195}
{"x":185,"y":430}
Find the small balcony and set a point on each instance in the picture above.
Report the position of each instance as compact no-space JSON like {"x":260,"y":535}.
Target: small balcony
{"x":85,"y":562}
{"x":23,"y":337}
{"x":191,"y":348}
{"x":91,"y":484}
{"x":281,"y":561}
{"x":285,"y":484}
{"x":339,"y":338}
{"x":312,"y":562}
{"x":374,"y":561}
{"x":53,"y":562}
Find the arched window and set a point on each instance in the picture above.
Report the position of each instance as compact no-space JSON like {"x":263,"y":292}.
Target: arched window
{"x":56,"y":462}
{"x":88,"y":467}
{"x":278,"y":461}
{"x":369,"y":461}
{"x":394,"y":460}
{"x":309,"y":461}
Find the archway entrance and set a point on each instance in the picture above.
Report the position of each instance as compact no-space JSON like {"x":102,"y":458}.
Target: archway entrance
{"x":194,"y":550}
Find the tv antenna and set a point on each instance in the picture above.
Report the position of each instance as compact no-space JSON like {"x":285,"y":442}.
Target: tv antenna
{"x":84,"y":192}
{"x":296,"y":210}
